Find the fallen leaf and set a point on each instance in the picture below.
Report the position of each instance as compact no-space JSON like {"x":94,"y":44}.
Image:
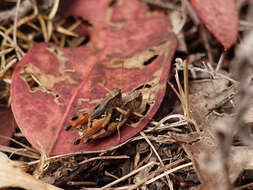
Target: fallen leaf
{"x":220,"y":17}
{"x":205,"y":149}
{"x":207,"y":161}
{"x":11,"y":175}
{"x":6,"y":126}
{"x":50,"y":84}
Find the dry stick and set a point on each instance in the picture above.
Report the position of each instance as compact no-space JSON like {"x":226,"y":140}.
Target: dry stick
{"x":213,"y":74}
{"x":129,"y":175}
{"x":203,"y":32}
{"x":114,"y":188}
{"x":104,"y":158}
{"x":180,"y":89}
{"x":111,"y":175}
{"x":24,"y":20}
{"x":178,"y":116}
{"x":22,"y":152}
{"x":249,"y":186}
{"x":186,"y":90}
{"x":176,"y":92}
{"x":21,"y":22}
{"x":8,"y":15}
{"x":39,"y":170}
{"x":19,"y":143}
{"x":181,"y":25}
{"x":6,"y":67}
{"x":152,"y":175}
{"x":15,"y":31}
{"x":43,"y":27}
{"x":65,"y":31}
{"x":5,"y":51}
{"x":68,"y":155}
{"x":54,"y":9}
{"x":220,"y":62}
{"x":168,"y":172}
{"x":50,"y":28}
{"x":191,"y":12}
{"x":159,"y":158}
{"x":7,"y":38}
{"x":83,"y":183}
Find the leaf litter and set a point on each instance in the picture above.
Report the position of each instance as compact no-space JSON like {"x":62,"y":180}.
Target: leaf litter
{"x":199,"y":138}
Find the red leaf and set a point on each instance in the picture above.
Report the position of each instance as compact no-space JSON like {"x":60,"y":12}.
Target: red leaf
{"x":6,"y":126}
{"x":220,"y":17}
{"x":68,"y":79}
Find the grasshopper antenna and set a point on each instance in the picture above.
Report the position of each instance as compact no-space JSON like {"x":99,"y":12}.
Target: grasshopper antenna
{"x":121,"y":81}
{"x":105,"y":88}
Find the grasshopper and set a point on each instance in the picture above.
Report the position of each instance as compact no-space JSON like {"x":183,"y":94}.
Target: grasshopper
{"x":108,"y":116}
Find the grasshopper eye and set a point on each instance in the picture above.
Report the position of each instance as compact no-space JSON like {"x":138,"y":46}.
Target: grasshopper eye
{"x":74,"y":117}
{"x":96,"y":107}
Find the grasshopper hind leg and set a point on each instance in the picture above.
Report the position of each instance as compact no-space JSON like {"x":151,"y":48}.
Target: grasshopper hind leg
{"x":77,"y":121}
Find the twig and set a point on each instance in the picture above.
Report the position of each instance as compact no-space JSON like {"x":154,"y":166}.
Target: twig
{"x":248,"y":186}
{"x":54,"y":9}
{"x":15,"y":22}
{"x":203,"y":32}
{"x":6,"y":37}
{"x":18,"y":151}
{"x":159,"y":158}
{"x":19,"y":143}
{"x":7,"y":16}
{"x":191,"y":12}
{"x":181,"y":25}
{"x":168,"y":172}
{"x":186,"y":89}
{"x":104,"y":158}
{"x":220,"y":62}
{"x":152,"y":175}
{"x":129,"y":175}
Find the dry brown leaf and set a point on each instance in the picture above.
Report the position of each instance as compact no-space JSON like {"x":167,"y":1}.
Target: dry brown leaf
{"x":207,"y":159}
{"x":11,"y":175}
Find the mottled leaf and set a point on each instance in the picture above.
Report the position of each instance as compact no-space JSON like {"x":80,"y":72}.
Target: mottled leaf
{"x":126,"y":51}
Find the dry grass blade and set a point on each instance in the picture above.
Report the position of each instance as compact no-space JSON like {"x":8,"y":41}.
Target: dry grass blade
{"x":39,"y":171}
{"x":6,"y":67}
{"x":186,"y":90}
{"x":65,"y":31}
{"x":220,"y":62}
{"x":19,"y":151}
{"x":183,"y":120}
{"x":204,"y":35}
{"x":50,"y":29}
{"x":184,"y":13}
{"x":247,"y":186}
{"x":129,"y":175}
{"x":168,"y":172}
{"x":104,"y":158}
{"x":159,"y":158}
{"x":15,"y":23}
{"x":43,"y":27}
{"x":19,"y":143}
{"x":24,"y":20}
{"x":54,"y":9}
{"x":7,"y":38}
{"x":154,"y":173}
{"x":5,"y":51}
